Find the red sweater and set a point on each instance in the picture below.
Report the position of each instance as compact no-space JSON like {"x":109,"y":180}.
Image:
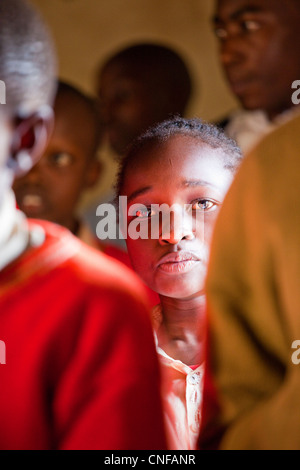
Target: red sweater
{"x":81,"y":368}
{"x":120,"y":255}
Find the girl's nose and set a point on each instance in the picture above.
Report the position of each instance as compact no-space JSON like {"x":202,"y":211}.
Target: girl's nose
{"x":176,"y":227}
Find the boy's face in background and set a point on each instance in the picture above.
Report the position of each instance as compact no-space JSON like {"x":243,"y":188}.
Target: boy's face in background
{"x":127,"y":105}
{"x":259,"y":50}
{"x":51,"y":190}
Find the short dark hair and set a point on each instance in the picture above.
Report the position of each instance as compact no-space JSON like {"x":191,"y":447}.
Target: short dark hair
{"x":89,"y":103}
{"x":27,"y":58}
{"x":160,"y":65}
{"x":195,"y":128}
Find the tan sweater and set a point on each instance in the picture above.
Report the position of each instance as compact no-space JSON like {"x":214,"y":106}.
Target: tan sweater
{"x":253,"y":292}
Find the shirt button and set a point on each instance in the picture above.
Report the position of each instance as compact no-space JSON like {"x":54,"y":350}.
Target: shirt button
{"x":194,"y":379}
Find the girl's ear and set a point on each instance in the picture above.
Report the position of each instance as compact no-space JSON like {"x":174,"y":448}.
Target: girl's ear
{"x":31,"y":135}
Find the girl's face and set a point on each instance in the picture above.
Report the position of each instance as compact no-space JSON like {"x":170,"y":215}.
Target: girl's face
{"x":189,"y":177}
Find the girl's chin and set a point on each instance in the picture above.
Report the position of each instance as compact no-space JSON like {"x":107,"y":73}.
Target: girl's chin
{"x":181,"y":293}
{"x":186,"y":286}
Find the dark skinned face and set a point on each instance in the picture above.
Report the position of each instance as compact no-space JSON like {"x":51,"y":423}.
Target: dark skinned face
{"x":51,"y":190}
{"x":128,"y":105}
{"x":188,"y":175}
{"x":259,"y":50}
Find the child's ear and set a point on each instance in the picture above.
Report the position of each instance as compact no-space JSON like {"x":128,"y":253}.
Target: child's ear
{"x":31,"y":135}
{"x":93,"y":174}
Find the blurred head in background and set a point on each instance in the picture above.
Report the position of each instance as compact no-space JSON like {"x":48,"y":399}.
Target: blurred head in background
{"x":28,"y":70}
{"x":259,"y":51}
{"x":69,"y":165}
{"x":138,"y":87}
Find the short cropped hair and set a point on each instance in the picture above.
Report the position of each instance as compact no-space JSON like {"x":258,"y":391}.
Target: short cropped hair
{"x":27,"y":58}
{"x":91,"y":108}
{"x":195,"y":128}
{"x":161,"y":66}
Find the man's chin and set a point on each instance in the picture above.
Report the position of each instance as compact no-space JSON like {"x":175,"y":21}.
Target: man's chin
{"x":251,"y":102}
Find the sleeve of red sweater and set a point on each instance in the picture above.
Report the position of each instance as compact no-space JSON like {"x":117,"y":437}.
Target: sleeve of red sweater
{"x":110,"y":404}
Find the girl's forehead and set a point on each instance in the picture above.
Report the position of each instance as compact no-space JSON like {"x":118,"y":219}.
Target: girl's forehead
{"x":181,"y":158}
{"x":177,"y":155}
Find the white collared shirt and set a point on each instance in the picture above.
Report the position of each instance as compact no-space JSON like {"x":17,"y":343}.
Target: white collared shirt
{"x":14,"y":232}
{"x":247,"y":128}
{"x":182,"y":397}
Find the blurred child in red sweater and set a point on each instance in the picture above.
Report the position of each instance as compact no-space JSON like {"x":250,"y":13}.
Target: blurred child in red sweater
{"x":80,"y":361}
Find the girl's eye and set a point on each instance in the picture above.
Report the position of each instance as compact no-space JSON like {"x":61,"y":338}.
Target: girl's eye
{"x":203,"y":205}
{"x":144,"y":212}
{"x":61,"y":159}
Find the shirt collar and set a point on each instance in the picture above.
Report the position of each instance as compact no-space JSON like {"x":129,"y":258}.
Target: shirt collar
{"x":14,"y":233}
{"x":156,"y":316}
{"x":247,"y":128}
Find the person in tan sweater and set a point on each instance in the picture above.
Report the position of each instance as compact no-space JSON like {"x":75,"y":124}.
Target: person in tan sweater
{"x":253,"y":301}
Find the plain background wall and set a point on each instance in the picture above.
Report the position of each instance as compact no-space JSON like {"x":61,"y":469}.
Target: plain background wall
{"x":87,"y":31}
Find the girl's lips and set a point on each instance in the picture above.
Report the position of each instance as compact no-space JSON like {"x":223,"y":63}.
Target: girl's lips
{"x":178,"y":263}
{"x":179,"y":267}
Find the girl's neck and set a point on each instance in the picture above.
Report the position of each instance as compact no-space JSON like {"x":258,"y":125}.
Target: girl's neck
{"x":182,"y":329}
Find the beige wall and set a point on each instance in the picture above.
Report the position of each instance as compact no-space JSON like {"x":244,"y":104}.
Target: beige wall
{"x":85,"y":31}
